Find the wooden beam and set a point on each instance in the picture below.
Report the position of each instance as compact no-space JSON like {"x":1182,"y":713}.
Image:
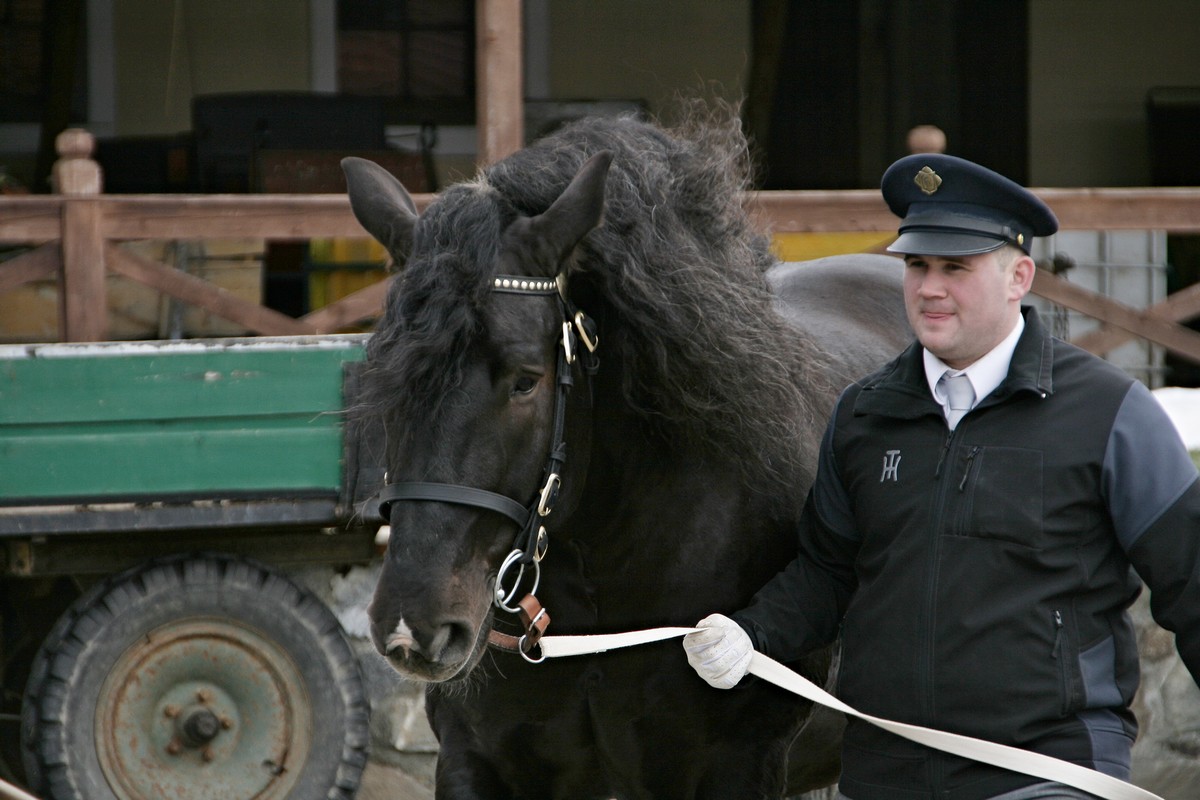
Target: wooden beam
{"x":30,"y":218}
{"x":820,"y":211}
{"x":500,"y":93}
{"x":39,"y":217}
{"x":1166,"y":209}
{"x":1174,"y":337}
{"x":355,"y":307}
{"x":198,"y":292}
{"x":1176,"y":210}
{"x":82,"y":302}
{"x":1179,"y":307}
{"x":265,"y":216}
{"x":38,"y":264}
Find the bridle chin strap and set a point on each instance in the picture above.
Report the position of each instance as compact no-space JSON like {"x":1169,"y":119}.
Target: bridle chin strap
{"x":532,"y":540}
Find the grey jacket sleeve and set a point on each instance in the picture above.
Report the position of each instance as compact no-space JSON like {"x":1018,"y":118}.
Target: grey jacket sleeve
{"x":1153,"y":495}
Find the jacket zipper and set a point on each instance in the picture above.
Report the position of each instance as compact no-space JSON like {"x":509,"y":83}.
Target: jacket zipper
{"x":937,"y":519}
{"x":967,"y":472}
{"x":1057,"y":654}
{"x":937,"y":473}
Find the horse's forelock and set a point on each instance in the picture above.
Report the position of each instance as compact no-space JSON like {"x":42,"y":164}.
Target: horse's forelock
{"x":416,"y":356}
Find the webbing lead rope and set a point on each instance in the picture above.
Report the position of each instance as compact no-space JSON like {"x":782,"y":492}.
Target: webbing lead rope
{"x":999,"y":755}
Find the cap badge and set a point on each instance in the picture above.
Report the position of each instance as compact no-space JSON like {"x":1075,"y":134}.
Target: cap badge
{"x":928,"y":180}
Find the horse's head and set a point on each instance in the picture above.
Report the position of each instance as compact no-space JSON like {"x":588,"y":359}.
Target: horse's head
{"x":464,"y":373}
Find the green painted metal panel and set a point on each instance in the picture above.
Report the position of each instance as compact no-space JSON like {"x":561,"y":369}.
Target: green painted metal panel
{"x":200,"y":419}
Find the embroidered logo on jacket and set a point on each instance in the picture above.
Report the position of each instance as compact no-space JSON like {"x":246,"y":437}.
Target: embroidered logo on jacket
{"x":891,"y":466}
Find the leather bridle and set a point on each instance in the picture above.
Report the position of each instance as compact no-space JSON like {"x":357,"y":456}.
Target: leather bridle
{"x":532,"y":540}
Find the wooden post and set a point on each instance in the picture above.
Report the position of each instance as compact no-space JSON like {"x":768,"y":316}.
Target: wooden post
{"x":499,"y":104}
{"x":82,"y":302}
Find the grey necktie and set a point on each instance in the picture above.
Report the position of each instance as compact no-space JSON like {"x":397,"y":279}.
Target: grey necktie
{"x":959,"y":394}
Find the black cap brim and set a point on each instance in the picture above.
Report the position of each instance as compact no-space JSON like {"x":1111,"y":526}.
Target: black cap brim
{"x":941,"y":243}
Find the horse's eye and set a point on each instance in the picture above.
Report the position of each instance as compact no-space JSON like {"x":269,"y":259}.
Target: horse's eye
{"x":524,"y":385}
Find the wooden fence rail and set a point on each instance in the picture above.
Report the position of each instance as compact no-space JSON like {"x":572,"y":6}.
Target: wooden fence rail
{"x":75,"y":235}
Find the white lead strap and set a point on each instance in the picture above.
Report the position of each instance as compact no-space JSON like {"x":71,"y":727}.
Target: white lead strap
{"x":1011,"y":758}
{"x":556,"y":646}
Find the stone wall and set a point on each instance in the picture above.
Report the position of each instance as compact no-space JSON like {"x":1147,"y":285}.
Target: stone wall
{"x":1166,"y":758}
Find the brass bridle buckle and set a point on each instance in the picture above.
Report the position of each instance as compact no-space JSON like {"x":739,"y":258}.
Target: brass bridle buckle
{"x":549,"y":495}
{"x":568,"y":347}
{"x":587,"y":331}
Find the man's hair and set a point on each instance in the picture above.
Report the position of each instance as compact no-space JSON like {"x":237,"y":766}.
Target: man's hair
{"x":1007,"y":254}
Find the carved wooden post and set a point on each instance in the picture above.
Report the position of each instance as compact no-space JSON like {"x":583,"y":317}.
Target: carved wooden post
{"x":500,"y":93}
{"x":82,"y":303}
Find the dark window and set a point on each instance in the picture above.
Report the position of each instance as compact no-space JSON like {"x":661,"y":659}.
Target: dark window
{"x":419,"y":53}
{"x":43,"y":64}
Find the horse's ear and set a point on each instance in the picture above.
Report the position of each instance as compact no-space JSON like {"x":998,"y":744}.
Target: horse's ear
{"x":578,"y":210}
{"x":381,"y":204}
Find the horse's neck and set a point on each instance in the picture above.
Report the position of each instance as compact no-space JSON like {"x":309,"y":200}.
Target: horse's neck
{"x":639,"y":474}
{"x":660,"y":532}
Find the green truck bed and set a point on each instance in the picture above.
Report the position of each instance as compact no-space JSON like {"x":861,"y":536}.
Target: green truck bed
{"x":186,"y":510}
{"x":175,"y":422}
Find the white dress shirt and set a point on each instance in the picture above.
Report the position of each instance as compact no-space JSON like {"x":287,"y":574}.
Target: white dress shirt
{"x":985,"y":374}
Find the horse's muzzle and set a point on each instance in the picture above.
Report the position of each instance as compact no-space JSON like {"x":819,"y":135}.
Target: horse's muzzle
{"x":433,"y":653}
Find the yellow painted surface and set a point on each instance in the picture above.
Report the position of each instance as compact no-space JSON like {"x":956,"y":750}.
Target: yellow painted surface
{"x":342,"y":250}
{"x":806,"y":246}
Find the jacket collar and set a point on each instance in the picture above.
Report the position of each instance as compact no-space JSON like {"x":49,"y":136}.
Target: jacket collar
{"x":901,"y":390}
{"x":1032,"y":367}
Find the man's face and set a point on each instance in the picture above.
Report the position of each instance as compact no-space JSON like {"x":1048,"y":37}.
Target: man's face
{"x":962,"y":306}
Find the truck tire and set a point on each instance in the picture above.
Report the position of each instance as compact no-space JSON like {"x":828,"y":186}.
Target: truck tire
{"x":196,"y":678}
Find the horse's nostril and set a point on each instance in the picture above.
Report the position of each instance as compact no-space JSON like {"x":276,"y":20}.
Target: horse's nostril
{"x":451,"y":642}
{"x":440,"y":640}
{"x":448,"y":642}
{"x":398,"y":642}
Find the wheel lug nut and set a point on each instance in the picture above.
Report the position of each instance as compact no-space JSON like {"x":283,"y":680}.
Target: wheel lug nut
{"x":207,"y":754}
{"x":226,"y":723}
{"x":174,"y":748}
{"x":204,"y":696}
{"x":171,"y":711}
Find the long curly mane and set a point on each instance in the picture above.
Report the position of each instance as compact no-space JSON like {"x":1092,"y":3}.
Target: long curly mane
{"x":676,"y":274}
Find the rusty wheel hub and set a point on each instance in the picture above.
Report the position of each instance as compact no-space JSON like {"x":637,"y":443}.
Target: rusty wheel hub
{"x":203,"y":709}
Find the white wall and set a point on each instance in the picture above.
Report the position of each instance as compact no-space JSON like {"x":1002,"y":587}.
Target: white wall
{"x":651,"y":51}
{"x":167,"y":52}
{"x":1091,"y":63}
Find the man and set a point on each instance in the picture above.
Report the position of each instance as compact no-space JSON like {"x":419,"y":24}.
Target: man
{"x":974,"y":553}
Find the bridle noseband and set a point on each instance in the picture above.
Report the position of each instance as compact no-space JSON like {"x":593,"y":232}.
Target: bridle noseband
{"x":532,"y":540}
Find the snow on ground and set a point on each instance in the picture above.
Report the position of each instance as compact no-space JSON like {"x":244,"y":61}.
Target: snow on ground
{"x":1183,"y":407}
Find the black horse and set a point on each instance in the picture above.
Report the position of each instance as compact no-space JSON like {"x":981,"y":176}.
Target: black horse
{"x":683,"y":460}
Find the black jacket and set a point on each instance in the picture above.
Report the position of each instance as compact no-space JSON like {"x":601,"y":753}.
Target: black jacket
{"x":980,"y":579}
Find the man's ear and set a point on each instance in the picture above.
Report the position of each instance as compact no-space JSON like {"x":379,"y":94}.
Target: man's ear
{"x":1022,"y":277}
